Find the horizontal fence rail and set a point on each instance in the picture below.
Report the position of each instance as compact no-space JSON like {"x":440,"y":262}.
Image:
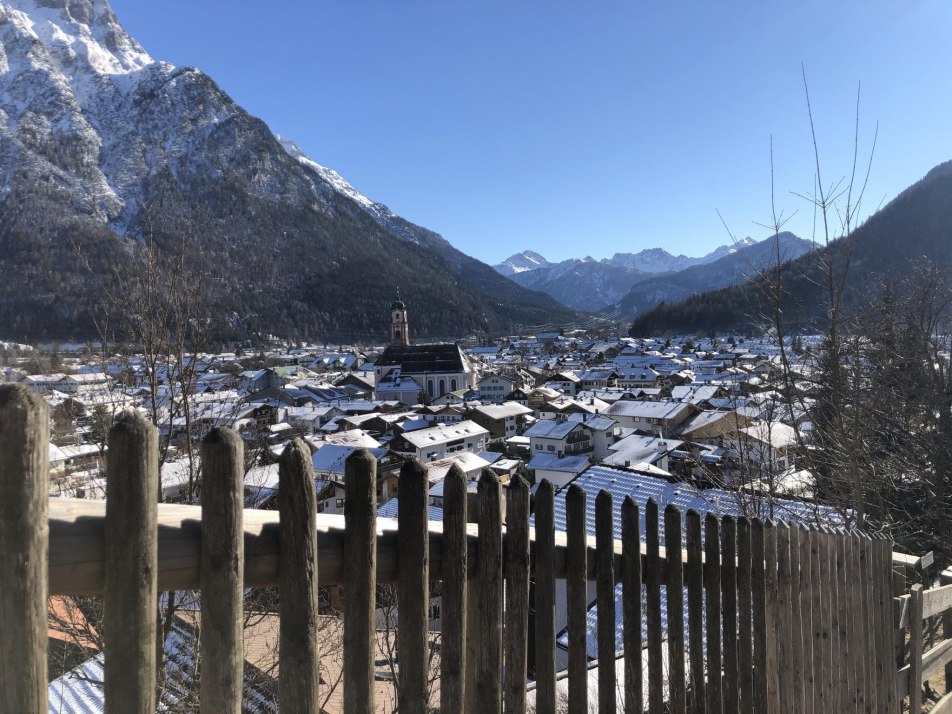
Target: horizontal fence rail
{"x":707,"y":614}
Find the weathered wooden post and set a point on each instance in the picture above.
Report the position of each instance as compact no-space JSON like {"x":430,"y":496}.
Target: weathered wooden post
{"x":576,"y":582}
{"x":222,"y":572}
{"x":413,"y":559}
{"x":516,"y":572}
{"x":631,"y":605}
{"x":131,"y":547}
{"x":298,"y":676}
{"x":360,"y":580}
{"x":695,"y":586}
{"x":455,"y":553}
{"x":674,"y":587}
{"x":605,"y":583}
{"x":545,"y":598}
{"x":24,"y":546}
{"x":487,"y":690}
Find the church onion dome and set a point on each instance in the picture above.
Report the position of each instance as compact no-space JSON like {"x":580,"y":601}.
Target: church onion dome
{"x":398,"y":305}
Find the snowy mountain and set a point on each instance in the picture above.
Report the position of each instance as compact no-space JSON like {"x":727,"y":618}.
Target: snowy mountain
{"x":101,"y":145}
{"x":521,"y":262}
{"x":732,"y":267}
{"x":598,"y":285}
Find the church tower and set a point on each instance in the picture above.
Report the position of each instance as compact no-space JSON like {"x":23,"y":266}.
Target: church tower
{"x":399,"y":326}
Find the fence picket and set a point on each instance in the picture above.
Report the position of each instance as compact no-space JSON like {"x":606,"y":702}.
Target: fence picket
{"x":516,"y":566}
{"x":745,"y":654}
{"x":577,"y":599}
{"x":695,"y":586}
{"x":869,"y":641}
{"x":131,"y":547}
{"x":299,"y":659}
{"x":796,"y":620}
{"x":222,"y":581}
{"x":785,"y":636}
{"x":772,"y":609}
{"x":759,"y":615}
{"x":631,"y":605}
{"x":652,"y":577}
{"x":545,"y":599}
{"x":605,"y":584}
{"x":413,"y":587}
{"x":455,"y":551}
{"x":360,"y":580}
{"x":24,"y":482}
{"x":845,"y":679}
{"x":806,"y":620}
{"x":729,"y":612}
{"x":674,"y":589}
{"x":816,"y":619}
{"x":712,"y":595}
{"x":488,"y":602}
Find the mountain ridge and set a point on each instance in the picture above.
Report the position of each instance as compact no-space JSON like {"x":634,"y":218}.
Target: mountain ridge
{"x":611,"y":285}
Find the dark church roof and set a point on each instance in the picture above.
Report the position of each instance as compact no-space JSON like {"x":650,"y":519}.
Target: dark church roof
{"x":398,"y":305}
{"x":419,"y":359}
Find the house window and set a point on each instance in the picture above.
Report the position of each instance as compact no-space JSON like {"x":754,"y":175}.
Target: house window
{"x":429,"y":387}
{"x":550,"y":447}
{"x":452,"y":385}
{"x":435,"y":611}
{"x":340,"y":502}
{"x":442,"y":387}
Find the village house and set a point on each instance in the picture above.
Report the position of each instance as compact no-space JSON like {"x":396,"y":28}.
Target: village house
{"x":652,"y":417}
{"x":500,"y":420}
{"x":439,"y":441}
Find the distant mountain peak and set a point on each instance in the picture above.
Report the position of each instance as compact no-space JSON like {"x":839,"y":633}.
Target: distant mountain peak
{"x":521,"y":262}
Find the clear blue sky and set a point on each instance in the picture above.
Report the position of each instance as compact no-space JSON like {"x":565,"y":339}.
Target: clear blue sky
{"x":576,"y":128}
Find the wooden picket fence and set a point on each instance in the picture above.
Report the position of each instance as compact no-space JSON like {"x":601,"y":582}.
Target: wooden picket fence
{"x":761,"y":617}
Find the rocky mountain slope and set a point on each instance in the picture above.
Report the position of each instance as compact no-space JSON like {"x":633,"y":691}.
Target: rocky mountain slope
{"x":911,"y":234}
{"x":100,"y":146}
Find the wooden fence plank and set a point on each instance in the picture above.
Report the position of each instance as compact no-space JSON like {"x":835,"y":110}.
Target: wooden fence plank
{"x":24,"y":535}
{"x":489,"y":593}
{"x":845,"y":685}
{"x":674,"y":589}
{"x":729,"y":612}
{"x":826,"y":619}
{"x":223,"y":555}
{"x":695,"y":587}
{"x":413,"y":588}
{"x":577,"y":600}
{"x":915,"y":648}
{"x":820,"y":702}
{"x":883,"y":600}
{"x":785,"y":635}
{"x":631,"y":605}
{"x":605,"y":583}
{"x":299,"y":658}
{"x":806,"y":620}
{"x":360,"y":585}
{"x":131,"y":542}
{"x":544,"y":599}
{"x":868,"y":641}
{"x":712,"y":594}
{"x":833,"y":643}
{"x":652,"y":576}
{"x":745,"y":651}
{"x":858,"y":663}
{"x":516,"y":572}
{"x":796,"y":622}
{"x":759,"y":614}
{"x":455,"y":552}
